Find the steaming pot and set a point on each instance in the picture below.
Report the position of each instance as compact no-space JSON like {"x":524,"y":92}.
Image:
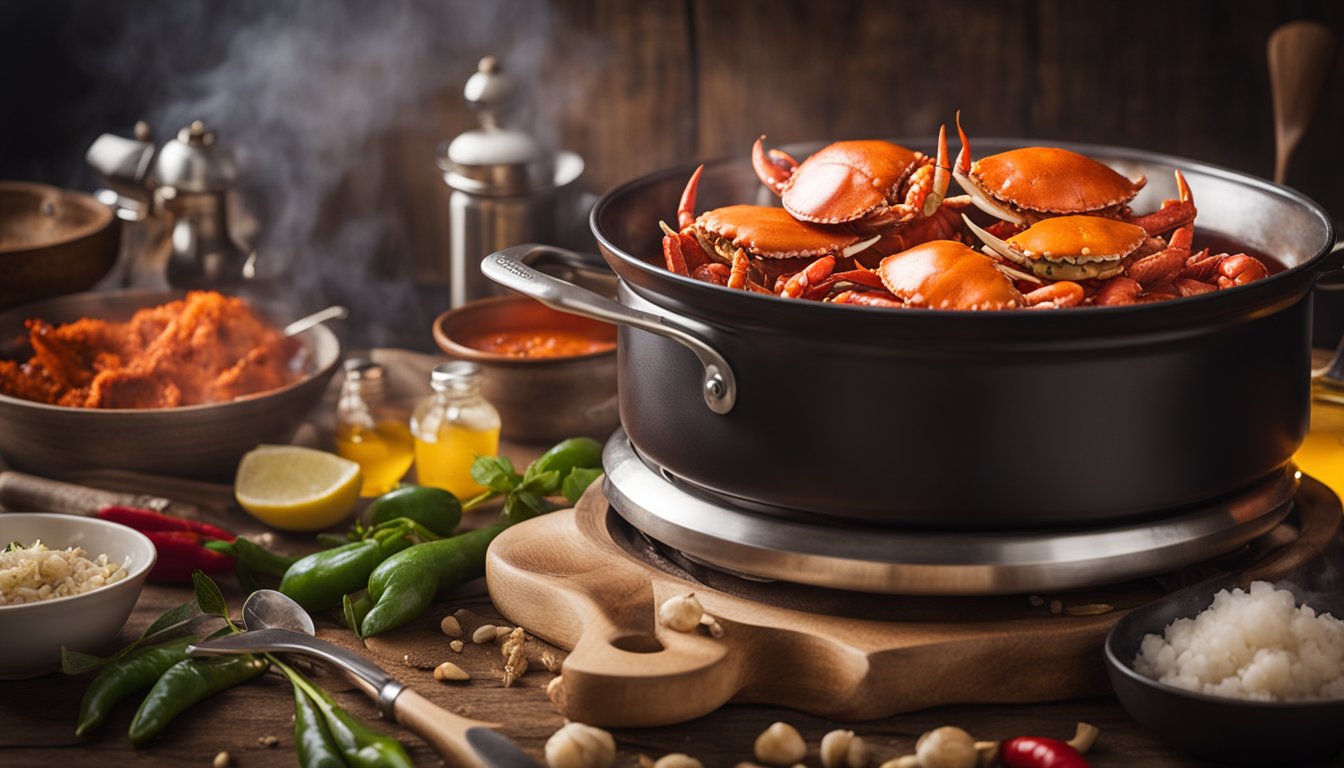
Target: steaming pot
{"x":959,"y":420}
{"x":505,"y":185}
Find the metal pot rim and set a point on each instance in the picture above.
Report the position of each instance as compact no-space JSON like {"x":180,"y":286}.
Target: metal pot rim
{"x":748,"y":303}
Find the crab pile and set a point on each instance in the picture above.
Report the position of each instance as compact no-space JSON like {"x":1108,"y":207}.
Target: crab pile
{"x":870,"y":223}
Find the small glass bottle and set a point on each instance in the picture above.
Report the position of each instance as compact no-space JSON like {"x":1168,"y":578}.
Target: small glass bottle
{"x":370,"y":432}
{"x":452,"y":428}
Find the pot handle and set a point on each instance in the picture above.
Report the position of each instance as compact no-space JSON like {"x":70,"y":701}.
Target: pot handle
{"x":507,"y":268}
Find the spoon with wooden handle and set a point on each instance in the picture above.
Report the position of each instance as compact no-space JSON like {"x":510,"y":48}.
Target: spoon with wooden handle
{"x":1301,"y":55}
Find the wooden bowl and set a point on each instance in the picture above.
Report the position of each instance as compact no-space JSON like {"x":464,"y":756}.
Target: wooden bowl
{"x":539,"y":400}
{"x":52,"y":241}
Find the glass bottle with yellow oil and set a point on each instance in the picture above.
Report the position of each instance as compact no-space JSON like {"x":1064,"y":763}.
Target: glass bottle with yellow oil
{"x":452,"y":428}
{"x":369,"y":431}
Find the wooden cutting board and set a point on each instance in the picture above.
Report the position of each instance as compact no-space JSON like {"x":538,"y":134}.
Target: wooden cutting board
{"x":581,"y":579}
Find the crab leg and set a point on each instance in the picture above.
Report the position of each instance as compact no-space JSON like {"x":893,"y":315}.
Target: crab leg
{"x":737,"y":278}
{"x":714,"y":272}
{"x":1240,"y":269}
{"x":961,"y":172}
{"x":868,"y":299}
{"x":773,"y":168}
{"x":686,"y":209}
{"x":1064,"y":293}
{"x":1172,"y":214}
{"x":810,"y":275}
{"x":1116,"y":292}
{"x":1159,"y":268}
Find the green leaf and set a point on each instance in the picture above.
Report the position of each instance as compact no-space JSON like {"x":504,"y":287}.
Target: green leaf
{"x":577,"y":481}
{"x":175,"y":618}
{"x":77,"y":663}
{"x":208,"y":596}
{"x":496,"y":473}
{"x":174,"y":622}
{"x":543,"y":484}
{"x":521,"y":505}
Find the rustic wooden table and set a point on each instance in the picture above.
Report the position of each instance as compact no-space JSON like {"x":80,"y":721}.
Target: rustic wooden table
{"x":37,"y":716}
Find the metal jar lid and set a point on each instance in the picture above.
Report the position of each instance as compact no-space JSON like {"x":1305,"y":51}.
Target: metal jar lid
{"x":194,"y":162}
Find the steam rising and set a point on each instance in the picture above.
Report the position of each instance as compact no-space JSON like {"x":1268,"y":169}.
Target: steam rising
{"x":311,"y":96}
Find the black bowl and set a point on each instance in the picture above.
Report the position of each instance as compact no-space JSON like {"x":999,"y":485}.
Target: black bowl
{"x":1213,"y":727}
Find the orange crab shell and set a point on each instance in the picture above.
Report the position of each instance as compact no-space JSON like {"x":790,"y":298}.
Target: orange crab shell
{"x":1078,"y":235}
{"x":945,"y":274}
{"x":1053,"y":180}
{"x":847,"y":180}
{"x":772,"y":233}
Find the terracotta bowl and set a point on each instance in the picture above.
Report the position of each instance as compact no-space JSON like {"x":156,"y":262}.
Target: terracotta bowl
{"x":52,"y":241}
{"x":540,"y":400}
{"x":203,"y":441}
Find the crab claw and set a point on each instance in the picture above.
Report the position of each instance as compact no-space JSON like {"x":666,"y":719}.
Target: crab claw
{"x":773,"y":168}
{"x":964,"y":155}
{"x":686,"y":209}
{"x":1173,"y":213}
{"x":961,"y":172}
{"x":941,"y":177}
{"x":996,"y":244}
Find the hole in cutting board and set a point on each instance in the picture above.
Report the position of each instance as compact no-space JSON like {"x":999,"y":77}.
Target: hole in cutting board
{"x":639,"y":643}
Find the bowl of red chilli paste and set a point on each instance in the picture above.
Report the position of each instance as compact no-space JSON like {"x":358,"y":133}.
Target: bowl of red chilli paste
{"x":551,"y":375}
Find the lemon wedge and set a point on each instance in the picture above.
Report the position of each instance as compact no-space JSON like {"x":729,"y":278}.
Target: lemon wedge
{"x":296,"y":489}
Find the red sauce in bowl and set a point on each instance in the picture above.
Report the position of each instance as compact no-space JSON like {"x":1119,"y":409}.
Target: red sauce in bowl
{"x":538,"y":344}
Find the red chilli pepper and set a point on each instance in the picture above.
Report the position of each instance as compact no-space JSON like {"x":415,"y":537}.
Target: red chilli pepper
{"x":180,"y":553}
{"x":146,"y":520}
{"x":1040,"y":752}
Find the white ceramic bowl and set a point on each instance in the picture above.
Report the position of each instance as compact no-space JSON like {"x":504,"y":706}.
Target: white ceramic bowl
{"x":33,"y":633}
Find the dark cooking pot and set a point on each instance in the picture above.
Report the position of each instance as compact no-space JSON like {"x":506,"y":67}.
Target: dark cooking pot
{"x":946,"y":419}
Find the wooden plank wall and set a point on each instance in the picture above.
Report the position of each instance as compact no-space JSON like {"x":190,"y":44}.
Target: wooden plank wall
{"x":633,"y":87}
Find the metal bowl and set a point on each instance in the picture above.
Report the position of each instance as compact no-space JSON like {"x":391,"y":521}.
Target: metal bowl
{"x":52,"y":241}
{"x":35,"y":632}
{"x":203,"y":441}
{"x":539,"y":399}
{"x":1213,"y":727}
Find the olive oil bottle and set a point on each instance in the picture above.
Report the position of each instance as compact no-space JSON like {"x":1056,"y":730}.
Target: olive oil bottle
{"x":453,"y":427}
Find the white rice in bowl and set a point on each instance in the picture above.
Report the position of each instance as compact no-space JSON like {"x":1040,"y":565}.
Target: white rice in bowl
{"x":1257,"y":644}
{"x":30,"y":574}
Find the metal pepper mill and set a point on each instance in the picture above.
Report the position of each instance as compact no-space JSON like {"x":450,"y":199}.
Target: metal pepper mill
{"x":179,"y":193}
{"x":505,"y":185}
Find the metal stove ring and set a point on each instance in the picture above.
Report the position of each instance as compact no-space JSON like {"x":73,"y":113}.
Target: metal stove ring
{"x":849,"y":556}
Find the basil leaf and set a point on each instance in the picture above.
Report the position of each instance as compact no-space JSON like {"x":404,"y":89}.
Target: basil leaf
{"x":496,"y":473}
{"x":542,"y":484}
{"x":208,"y":595}
{"x":577,"y":481}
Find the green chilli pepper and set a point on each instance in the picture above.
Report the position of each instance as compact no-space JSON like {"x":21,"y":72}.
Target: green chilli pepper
{"x":434,"y":508}
{"x":340,"y":732}
{"x":312,"y":740}
{"x":405,"y":583}
{"x":319,"y":581}
{"x":186,"y":683}
{"x":124,"y":677}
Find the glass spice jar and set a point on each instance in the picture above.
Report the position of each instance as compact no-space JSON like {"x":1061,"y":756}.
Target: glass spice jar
{"x":453,"y":427}
{"x":369,"y":431}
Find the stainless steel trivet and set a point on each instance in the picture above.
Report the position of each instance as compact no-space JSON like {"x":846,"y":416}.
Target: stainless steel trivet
{"x":845,"y":555}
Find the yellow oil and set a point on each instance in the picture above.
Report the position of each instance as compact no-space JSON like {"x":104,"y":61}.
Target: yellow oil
{"x":1322,"y":453}
{"x":384,"y":453}
{"x":445,"y":462}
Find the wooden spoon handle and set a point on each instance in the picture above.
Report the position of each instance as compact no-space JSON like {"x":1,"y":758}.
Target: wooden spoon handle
{"x":452,"y":736}
{"x":1300,"y":56}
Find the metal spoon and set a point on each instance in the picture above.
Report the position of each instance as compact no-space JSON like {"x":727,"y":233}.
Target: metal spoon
{"x":277,"y":624}
{"x":334,"y":312}
{"x":1301,"y":55}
